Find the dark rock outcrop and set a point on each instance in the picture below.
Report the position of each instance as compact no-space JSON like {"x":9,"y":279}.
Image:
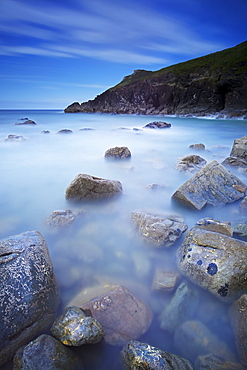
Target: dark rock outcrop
{"x":215,"y":83}
{"x":28,"y":291}
{"x":157,"y":124}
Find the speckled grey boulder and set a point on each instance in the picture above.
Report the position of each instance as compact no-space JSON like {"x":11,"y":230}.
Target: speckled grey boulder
{"x":121,"y":152}
{"x":74,"y":328}
{"x":136,"y":355}
{"x":213,"y":185}
{"x":215,"y":262}
{"x":190,"y":163}
{"x":46,"y":353}
{"x":91,"y":187}
{"x":159,"y":230}
{"x":28,"y":291}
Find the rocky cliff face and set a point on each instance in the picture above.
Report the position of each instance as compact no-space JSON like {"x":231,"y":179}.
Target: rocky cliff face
{"x":213,"y":84}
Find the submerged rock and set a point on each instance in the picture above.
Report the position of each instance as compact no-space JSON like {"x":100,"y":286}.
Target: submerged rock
{"x":122,"y":315}
{"x":213,"y":362}
{"x":15,"y":138}
{"x":190,"y":163}
{"x":74,"y":328}
{"x":214,"y":261}
{"x":213,"y":185}
{"x":136,"y":355}
{"x":26,"y":122}
{"x":165,"y":281}
{"x":197,"y":146}
{"x":118,"y":152}
{"x":65,"y":131}
{"x":91,"y":187}
{"x":28,"y":291}
{"x":159,"y":230}
{"x":45,"y":353}
{"x":61,"y":219}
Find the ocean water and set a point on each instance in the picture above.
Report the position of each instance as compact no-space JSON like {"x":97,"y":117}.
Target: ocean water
{"x":102,"y":246}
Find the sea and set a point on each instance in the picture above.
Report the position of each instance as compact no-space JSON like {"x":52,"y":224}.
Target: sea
{"x":102,"y":247}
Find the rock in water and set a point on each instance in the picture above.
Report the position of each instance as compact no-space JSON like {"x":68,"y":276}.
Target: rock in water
{"x":159,"y":230}
{"x":26,"y":122}
{"x":118,"y":152}
{"x":213,"y":362}
{"x":28,"y":291}
{"x":136,"y":355}
{"x":122,"y":315}
{"x":74,"y":328}
{"x":45,"y":353}
{"x":190,"y":163}
{"x":91,"y":187}
{"x":238,"y":155}
{"x":215,"y":262}
{"x":158,"y":124}
{"x":60,"y":219}
{"x":213,"y":185}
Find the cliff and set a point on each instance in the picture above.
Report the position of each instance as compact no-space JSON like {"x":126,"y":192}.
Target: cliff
{"x":213,"y":84}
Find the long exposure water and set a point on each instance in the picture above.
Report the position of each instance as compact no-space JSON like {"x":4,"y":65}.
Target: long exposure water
{"x":102,"y":247}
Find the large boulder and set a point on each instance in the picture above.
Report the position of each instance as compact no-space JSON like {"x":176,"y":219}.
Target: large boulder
{"x":215,"y":262}
{"x":136,"y":355}
{"x":122,"y":315}
{"x":45,"y":353}
{"x":117,"y":152}
{"x":28,"y":291}
{"x":91,"y":187}
{"x":213,"y":185}
{"x":159,"y":230}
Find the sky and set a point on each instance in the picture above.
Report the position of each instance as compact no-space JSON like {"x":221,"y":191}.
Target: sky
{"x":56,"y":52}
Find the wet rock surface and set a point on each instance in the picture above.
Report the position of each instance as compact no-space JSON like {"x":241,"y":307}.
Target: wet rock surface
{"x":190,"y":163}
{"x":90,"y":187}
{"x":74,"y":328}
{"x":157,"y":124}
{"x":45,"y":353}
{"x":28,"y":291}
{"x":213,"y":185}
{"x":122,"y":315}
{"x":223,"y":227}
{"x":158,"y":230}
{"x":137,"y":355}
{"x":118,"y":152}
{"x":215,"y":262}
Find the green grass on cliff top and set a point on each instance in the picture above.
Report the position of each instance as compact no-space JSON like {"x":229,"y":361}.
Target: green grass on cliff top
{"x":233,"y":60}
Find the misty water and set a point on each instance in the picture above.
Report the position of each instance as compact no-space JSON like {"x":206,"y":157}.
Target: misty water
{"x":102,"y":246}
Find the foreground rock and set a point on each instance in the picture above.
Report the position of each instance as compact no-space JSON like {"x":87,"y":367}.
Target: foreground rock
{"x":60,"y":219}
{"x":45,"y":353}
{"x":157,"y":124}
{"x":28,"y":291}
{"x":215,"y":262}
{"x":137,"y":355}
{"x":122,"y":315}
{"x":160,"y":231}
{"x":26,"y":122}
{"x":118,"y":152}
{"x":190,"y":163}
{"x":193,"y":339}
{"x":74,"y":328}
{"x":238,"y":318}
{"x":91,"y":187}
{"x":213,"y":185}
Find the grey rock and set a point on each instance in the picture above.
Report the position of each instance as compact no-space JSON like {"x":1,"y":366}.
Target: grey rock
{"x":193,"y":339}
{"x":122,"y":315}
{"x":235,"y":162}
{"x":199,"y":146}
{"x":159,"y":230}
{"x":240,"y":230}
{"x":165,"y":281}
{"x":157,"y":124}
{"x":46,"y":353}
{"x":74,"y":328}
{"x":190,"y":163}
{"x":223,"y":227}
{"x":238,"y":319}
{"x":26,"y":122}
{"x":215,"y":262}
{"x":61,"y":219}
{"x":239,"y":148}
{"x":118,"y":152}
{"x":136,"y":355}
{"x":213,"y":362}
{"x":15,"y":138}
{"x":65,"y":131}
{"x":45,"y":132}
{"x":213,"y":185}
{"x":90,"y":187}
{"x":182,"y":307}
{"x":28,"y":291}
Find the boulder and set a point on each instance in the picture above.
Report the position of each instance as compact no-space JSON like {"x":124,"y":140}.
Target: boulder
{"x":45,"y":353}
{"x":213,"y":362}
{"x":165,"y":281}
{"x":61,"y":219}
{"x":182,"y":307}
{"x":223,"y":227}
{"x":157,"y":124}
{"x":235,"y":162}
{"x":159,"y":230}
{"x":74,"y":328}
{"x":28,"y":291}
{"x":199,"y":146}
{"x":193,"y":339}
{"x":91,"y":187}
{"x":238,"y":319}
{"x":118,"y":152}
{"x":122,"y":315}
{"x":238,"y":155}
{"x":26,"y":122}
{"x":240,"y":230}
{"x":137,"y":355}
{"x":190,"y":163}
{"x":215,"y":262}
{"x":65,"y":131}
{"x":213,"y":185}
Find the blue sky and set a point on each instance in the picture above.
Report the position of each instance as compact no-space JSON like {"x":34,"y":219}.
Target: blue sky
{"x":55,"y":52}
